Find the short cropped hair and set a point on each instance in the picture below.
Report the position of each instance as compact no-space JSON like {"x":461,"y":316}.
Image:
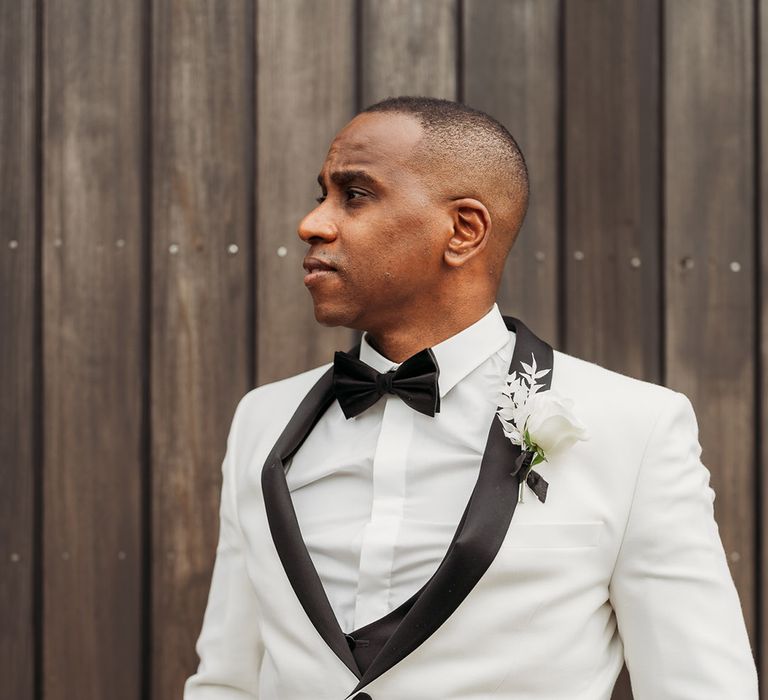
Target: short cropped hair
{"x":479,"y":149}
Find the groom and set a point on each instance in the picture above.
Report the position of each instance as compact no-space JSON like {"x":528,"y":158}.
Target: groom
{"x":389,"y":530}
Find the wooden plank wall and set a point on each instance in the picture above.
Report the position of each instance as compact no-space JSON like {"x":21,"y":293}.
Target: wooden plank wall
{"x":20,"y":355}
{"x":93,"y":360}
{"x":200,"y":193}
{"x":155,"y":160}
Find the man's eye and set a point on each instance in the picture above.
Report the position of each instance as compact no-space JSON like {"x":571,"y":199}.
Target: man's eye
{"x":321,"y":198}
{"x":357,"y":192}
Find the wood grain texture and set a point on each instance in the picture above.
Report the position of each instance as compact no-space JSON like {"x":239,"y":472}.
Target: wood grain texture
{"x":92,"y":257}
{"x":612,"y":188}
{"x":511,"y":71}
{"x":762,"y":387}
{"x":202,"y":178}
{"x":169,"y":138}
{"x":305,"y":95}
{"x":710,"y":253}
{"x":407,"y":48}
{"x":18,"y":373}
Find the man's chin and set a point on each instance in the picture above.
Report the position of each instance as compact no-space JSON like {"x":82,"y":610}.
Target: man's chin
{"x":330,"y":315}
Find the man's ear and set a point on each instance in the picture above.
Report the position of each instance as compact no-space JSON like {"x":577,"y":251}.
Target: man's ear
{"x":471,"y":224}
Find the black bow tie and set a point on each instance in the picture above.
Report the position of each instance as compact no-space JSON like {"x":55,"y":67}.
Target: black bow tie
{"x":358,"y":386}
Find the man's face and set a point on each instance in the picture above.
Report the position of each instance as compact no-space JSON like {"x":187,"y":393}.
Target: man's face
{"x":378,"y":225}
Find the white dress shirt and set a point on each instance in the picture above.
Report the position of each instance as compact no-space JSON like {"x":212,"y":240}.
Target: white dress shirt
{"x":378,"y":497}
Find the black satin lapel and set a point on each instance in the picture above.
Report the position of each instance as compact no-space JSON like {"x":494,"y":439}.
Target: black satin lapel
{"x":482,"y":528}
{"x":284,"y":526}
{"x":527,"y":344}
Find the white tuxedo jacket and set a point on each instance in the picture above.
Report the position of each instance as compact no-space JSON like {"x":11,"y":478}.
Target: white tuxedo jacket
{"x":542,"y":601}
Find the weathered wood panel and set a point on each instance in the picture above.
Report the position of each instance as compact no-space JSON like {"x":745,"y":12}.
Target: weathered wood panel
{"x":761,"y":432}
{"x":19,"y":375}
{"x":511,"y":71}
{"x":202,"y":180}
{"x":710,"y":253}
{"x":612,"y":187}
{"x":305,"y":94}
{"x":179,"y":153}
{"x":93,"y":358}
{"x":407,"y":48}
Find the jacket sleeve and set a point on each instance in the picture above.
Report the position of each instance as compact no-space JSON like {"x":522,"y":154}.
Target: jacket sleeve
{"x":229,"y":645}
{"x":676,"y":604}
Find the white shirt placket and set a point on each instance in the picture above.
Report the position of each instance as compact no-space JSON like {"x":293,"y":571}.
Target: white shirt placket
{"x":380,"y":534}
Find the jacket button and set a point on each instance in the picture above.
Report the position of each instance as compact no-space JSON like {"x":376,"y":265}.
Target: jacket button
{"x":362,"y":696}
{"x":351,"y":642}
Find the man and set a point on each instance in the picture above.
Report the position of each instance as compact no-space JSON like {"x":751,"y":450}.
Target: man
{"x":385,"y":535}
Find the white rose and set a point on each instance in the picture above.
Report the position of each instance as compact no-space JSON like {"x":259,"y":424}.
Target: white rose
{"x":552,"y":423}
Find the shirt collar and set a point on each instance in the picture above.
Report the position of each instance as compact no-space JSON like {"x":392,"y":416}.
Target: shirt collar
{"x":456,"y":356}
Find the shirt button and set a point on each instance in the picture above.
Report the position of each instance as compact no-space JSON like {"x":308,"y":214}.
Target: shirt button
{"x":351,"y":642}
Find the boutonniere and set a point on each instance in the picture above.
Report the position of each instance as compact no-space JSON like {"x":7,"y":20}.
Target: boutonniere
{"x":542,"y":423}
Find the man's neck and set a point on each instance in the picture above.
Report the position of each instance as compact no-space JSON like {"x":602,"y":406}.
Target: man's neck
{"x":399,"y":343}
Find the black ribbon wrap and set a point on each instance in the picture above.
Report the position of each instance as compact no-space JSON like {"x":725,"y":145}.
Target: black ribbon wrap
{"x":537,"y":484}
{"x":535,"y":481}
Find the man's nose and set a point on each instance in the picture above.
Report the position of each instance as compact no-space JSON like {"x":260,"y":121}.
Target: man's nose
{"x":315,"y":227}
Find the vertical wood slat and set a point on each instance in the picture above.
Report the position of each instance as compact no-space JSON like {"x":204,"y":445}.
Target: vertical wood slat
{"x":305,"y":94}
{"x":92,"y":351}
{"x":511,"y":71}
{"x":762,"y":291}
{"x":611,"y":180}
{"x":407,"y":48}
{"x":202,"y":122}
{"x":709,"y":190}
{"x":18,"y":268}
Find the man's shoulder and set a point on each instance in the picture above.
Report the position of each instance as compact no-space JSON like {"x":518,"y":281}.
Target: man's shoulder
{"x":585,"y":380}
{"x":620,"y":411}
{"x":282,"y":396}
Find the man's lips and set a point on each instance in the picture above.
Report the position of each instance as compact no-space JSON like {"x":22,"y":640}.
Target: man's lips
{"x":317,"y":269}
{"x":317,"y":265}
